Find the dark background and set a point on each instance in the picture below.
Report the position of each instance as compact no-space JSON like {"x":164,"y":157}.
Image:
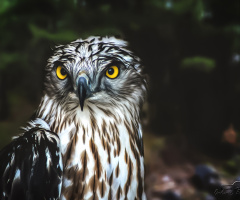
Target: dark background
{"x":190,"y":49}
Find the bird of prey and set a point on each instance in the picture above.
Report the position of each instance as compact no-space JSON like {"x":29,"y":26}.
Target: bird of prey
{"x":85,"y":139}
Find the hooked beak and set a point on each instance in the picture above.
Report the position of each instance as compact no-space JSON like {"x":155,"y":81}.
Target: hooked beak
{"x":82,"y":89}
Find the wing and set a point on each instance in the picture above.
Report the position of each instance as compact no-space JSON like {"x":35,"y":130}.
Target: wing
{"x":31,"y":167}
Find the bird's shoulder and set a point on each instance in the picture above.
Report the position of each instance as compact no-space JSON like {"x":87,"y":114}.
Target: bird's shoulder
{"x":31,"y":165}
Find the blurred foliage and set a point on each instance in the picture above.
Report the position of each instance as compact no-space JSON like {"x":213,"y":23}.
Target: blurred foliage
{"x":169,"y":35}
{"x":10,"y":58}
{"x":63,"y":35}
{"x":199,"y":63}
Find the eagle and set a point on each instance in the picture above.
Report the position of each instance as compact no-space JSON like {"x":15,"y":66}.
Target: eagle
{"x":84,"y":140}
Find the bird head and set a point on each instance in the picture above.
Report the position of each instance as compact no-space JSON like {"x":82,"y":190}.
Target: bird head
{"x":99,"y":71}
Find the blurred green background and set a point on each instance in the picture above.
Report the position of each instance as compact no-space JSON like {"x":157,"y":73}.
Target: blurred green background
{"x":191,"y":52}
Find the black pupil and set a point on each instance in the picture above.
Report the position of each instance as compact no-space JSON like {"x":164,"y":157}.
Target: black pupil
{"x":63,"y":72}
{"x":110,"y":71}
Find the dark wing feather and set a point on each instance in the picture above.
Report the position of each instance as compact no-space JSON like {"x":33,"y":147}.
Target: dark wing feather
{"x":31,"y":167}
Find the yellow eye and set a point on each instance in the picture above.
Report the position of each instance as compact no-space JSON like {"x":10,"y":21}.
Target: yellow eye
{"x":112,"y":72}
{"x":61,"y":72}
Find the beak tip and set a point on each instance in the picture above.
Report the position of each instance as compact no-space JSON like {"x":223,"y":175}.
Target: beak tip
{"x":81,"y":105}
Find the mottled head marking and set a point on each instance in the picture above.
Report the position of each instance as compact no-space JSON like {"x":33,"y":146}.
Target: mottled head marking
{"x":92,"y":57}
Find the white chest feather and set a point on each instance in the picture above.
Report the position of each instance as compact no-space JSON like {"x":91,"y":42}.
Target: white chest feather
{"x":102,"y":154}
{"x":99,"y":158}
